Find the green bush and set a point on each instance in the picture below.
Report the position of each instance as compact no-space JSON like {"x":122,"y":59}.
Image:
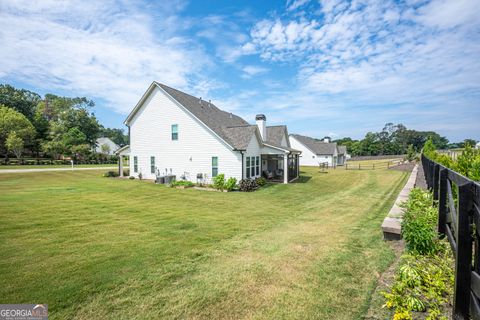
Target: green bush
{"x":231,"y":183}
{"x":261,"y":181}
{"x":182,"y":183}
{"x":131,"y":177}
{"x":419,"y":222}
{"x":219,"y":182}
{"x":423,"y":283}
{"x":467,"y":164}
{"x":110,"y":174}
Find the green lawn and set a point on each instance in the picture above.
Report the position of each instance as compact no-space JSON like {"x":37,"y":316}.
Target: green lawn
{"x":52,"y":166}
{"x":94,"y":247}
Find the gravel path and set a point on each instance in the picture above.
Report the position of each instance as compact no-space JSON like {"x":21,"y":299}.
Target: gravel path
{"x":53,"y":169}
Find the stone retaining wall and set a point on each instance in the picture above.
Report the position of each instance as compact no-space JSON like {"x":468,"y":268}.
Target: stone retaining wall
{"x":391,"y":226}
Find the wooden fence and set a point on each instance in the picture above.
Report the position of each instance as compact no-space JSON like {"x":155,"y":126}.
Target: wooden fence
{"x":371,"y":166}
{"x":459,"y":220}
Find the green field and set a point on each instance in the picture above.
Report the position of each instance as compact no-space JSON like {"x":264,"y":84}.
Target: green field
{"x":55,"y":166}
{"x":93,"y":247}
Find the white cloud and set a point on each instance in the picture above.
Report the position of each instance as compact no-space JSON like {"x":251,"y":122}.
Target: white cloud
{"x":95,"y":49}
{"x":250,"y":71}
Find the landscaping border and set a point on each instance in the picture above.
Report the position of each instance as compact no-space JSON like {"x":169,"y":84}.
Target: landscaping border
{"x":392,"y":224}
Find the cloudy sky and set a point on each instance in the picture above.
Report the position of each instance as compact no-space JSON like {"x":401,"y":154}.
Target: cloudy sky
{"x":338,"y":68}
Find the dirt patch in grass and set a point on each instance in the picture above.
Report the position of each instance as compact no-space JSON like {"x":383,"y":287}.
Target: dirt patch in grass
{"x":385,"y":281}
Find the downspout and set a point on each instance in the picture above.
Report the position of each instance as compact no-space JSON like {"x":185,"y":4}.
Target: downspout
{"x":242,"y":164}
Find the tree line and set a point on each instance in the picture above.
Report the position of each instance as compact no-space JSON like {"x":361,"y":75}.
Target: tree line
{"x":397,"y":139}
{"x":52,"y":126}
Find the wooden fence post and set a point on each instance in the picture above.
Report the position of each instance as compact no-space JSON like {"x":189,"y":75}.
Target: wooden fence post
{"x":436,"y":169}
{"x":442,"y":202}
{"x":463,"y":259}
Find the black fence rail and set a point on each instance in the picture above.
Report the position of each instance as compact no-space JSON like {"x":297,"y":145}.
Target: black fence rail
{"x":459,"y":220}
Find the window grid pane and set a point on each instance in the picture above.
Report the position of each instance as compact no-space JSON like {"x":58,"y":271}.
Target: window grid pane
{"x":174,"y":131}
{"x":135,"y":164}
{"x":214,"y":166}
{"x":152,"y":164}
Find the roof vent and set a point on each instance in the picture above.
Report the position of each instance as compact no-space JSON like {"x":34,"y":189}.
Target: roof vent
{"x":231,"y":115}
{"x":200,"y":100}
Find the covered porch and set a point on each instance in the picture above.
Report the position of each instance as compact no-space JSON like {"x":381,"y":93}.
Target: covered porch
{"x":282,"y":168}
{"x":122,"y":153}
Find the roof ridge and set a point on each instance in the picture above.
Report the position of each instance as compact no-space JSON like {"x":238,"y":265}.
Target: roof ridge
{"x":240,"y":126}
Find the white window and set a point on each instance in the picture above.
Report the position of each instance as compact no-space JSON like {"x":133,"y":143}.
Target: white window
{"x":174,"y":131}
{"x":214,"y":166}
{"x":248,"y":167}
{"x":135,"y":164}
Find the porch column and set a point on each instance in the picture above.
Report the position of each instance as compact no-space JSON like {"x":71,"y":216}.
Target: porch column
{"x":285,"y":168}
{"x":120,"y":165}
{"x":298,"y":164}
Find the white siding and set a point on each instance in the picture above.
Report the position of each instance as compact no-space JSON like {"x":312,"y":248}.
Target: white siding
{"x":150,"y":135}
{"x":307,"y":158}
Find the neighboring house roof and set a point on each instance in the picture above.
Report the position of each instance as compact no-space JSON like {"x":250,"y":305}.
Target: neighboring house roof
{"x":231,"y":128}
{"x":342,"y":149}
{"x":316,"y":146}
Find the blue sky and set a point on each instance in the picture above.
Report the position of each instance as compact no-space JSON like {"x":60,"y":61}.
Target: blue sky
{"x":338,"y":68}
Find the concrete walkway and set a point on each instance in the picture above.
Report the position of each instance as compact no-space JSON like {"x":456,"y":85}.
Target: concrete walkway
{"x":392,"y":224}
{"x":53,"y":169}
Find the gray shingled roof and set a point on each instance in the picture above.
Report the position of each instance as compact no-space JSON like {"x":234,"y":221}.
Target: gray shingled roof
{"x":342,"y":149}
{"x":275,"y":135}
{"x":317,"y":146}
{"x":231,"y":128}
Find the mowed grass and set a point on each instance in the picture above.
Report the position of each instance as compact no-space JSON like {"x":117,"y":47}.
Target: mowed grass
{"x":94,"y":247}
{"x":56,"y":166}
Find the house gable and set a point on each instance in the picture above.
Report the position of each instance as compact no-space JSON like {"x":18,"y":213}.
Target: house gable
{"x":191,"y":152}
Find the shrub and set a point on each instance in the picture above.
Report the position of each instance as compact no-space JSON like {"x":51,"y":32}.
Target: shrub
{"x":423,"y":283}
{"x":110,"y":174}
{"x":140,"y":176}
{"x":231,"y":183}
{"x":182,"y":183}
{"x":419,"y":222}
{"x":131,"y":177}
{"x":247,"y":185}
{"x":261,"y":181}
{"x":219,"y":182}
{"x":411,"y":154}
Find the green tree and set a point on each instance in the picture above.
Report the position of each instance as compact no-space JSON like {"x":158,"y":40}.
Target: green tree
{"x":105,"y":149}
{"x":21,"y":100}
{"x":54,"y":148}
{"x":13,"y":121}
{"x":74,"y":137}
{"x":470,"y":142}
{"x":14,"y":144}
{"x":411,"y":153}
{"x":116,"y":135}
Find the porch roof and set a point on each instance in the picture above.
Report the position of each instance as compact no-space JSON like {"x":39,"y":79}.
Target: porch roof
{"x":123,"y":151}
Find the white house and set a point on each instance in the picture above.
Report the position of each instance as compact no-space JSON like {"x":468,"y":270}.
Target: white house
{"x":172,"y":132}
{"x":316,"y":152}
{"x":111,"y":148}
